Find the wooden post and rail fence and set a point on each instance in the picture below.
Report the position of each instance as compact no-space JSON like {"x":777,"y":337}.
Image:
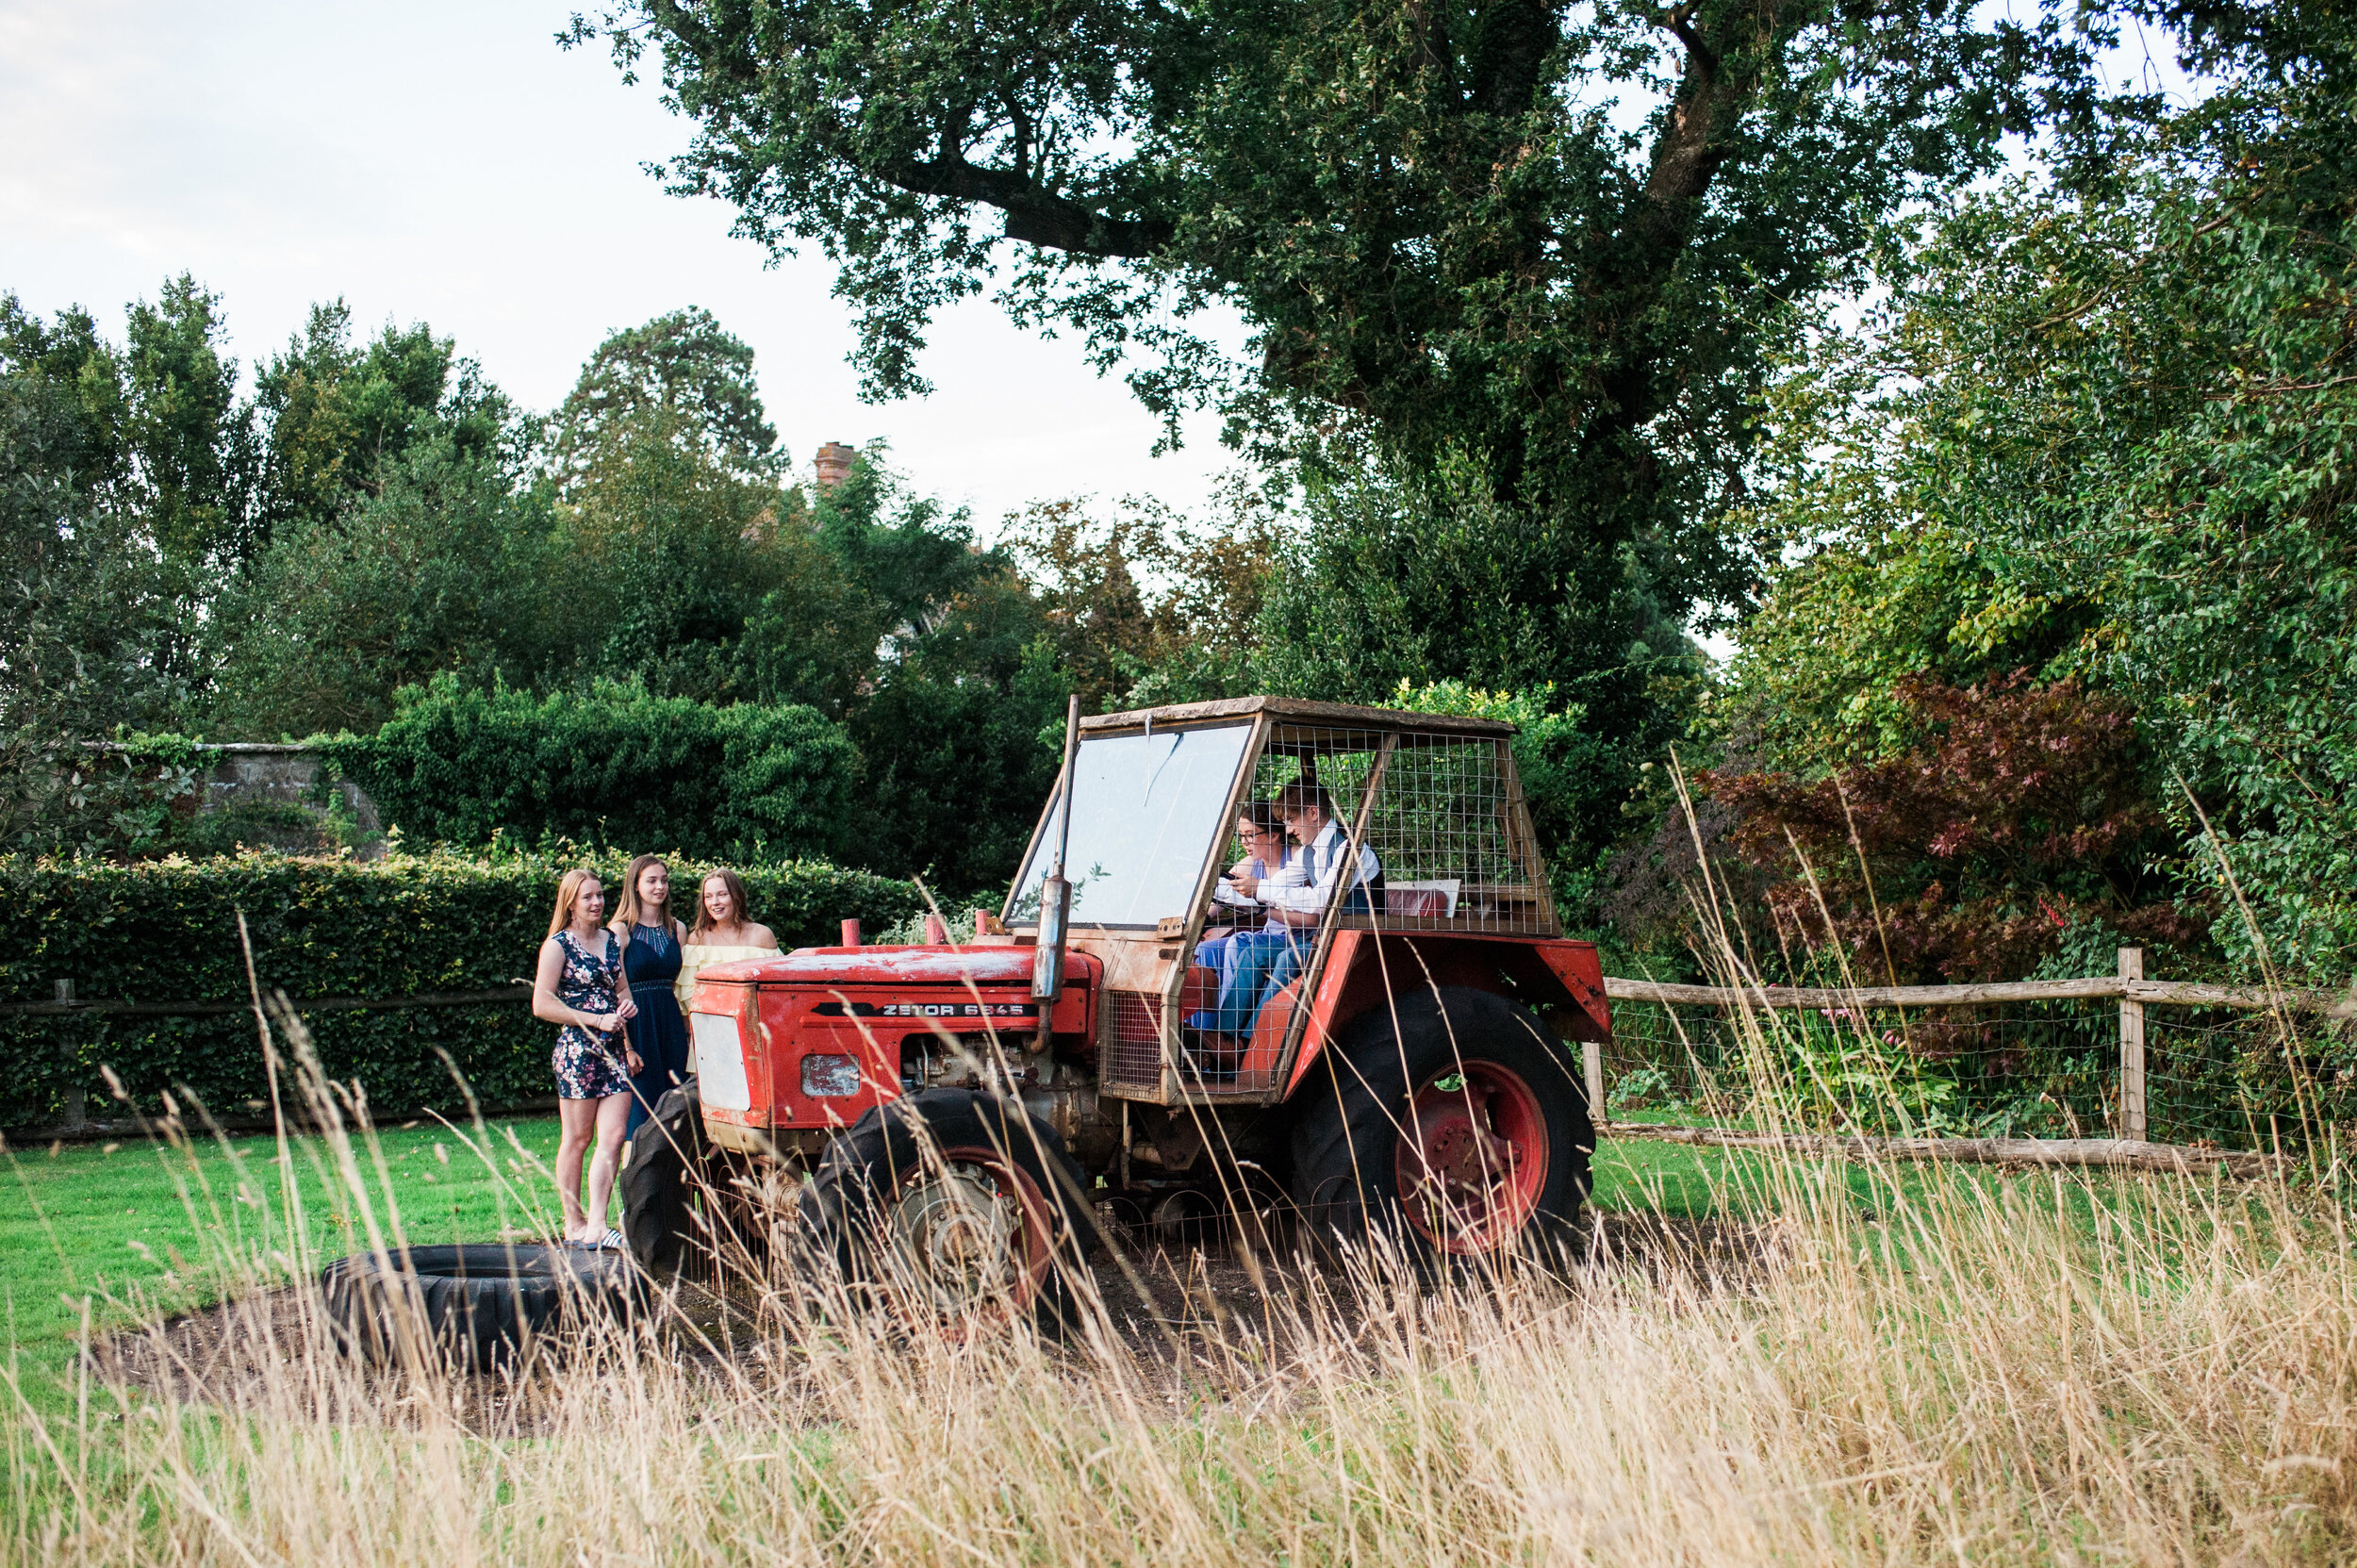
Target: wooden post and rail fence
{"x":2132,"y":992}
{"x":2129,"y":987}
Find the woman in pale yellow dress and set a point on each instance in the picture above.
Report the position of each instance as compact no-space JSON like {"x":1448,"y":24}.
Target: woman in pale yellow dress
{"x":722,"y":933}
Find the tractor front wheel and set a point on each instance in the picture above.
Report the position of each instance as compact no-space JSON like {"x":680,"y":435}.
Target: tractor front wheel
{"x":954,"y":1211}
{"x":1451,"y":1122}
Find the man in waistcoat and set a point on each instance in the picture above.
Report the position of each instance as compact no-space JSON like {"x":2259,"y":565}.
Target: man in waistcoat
{"x":1260,"y":963}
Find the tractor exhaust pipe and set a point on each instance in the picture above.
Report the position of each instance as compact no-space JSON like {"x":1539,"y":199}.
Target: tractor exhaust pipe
{"x":1055,"y":893}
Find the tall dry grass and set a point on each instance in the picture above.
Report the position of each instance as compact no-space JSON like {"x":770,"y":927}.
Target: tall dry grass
{"x":1986,"y":1370}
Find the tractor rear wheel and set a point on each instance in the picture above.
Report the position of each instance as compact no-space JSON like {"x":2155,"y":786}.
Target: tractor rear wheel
{"x":955,"y":1211}
{"x":1452,"y":1123}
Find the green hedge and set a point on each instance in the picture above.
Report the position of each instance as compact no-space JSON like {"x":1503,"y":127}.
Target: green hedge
{"x":614,"y":765}
{"x":166,"y":931}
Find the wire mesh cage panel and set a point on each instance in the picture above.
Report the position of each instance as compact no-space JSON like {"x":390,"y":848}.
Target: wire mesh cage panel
{"x":1449,"y":827}
{"x":1448,"y":849}
{"x":1135,"y":1059}
{"x":1306,"y":759}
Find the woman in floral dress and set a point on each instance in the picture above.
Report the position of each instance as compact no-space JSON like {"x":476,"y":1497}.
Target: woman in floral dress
{"x":580,"y":986}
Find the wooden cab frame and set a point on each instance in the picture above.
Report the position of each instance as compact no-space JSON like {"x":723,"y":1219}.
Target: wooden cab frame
{"x":1438,"y":799}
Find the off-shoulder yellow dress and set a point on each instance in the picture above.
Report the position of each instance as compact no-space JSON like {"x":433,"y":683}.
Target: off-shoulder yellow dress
{"x":697,"y":956}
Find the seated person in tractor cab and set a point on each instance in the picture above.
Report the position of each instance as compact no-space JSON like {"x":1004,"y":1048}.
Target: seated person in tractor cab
{"x":1265,"y":856}
{"x":1262,"y":962}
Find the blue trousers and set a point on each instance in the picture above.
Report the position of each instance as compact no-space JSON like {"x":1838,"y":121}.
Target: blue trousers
{"x":1255,"y":964}
{"x":1211,"y":952}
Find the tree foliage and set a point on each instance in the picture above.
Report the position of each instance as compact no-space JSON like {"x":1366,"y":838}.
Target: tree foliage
{"x":339,"y":417}
{"x":618,"y":765}
{"x":188,"y":439}
{"x":1543,"y":244}
{"x":1143,"y":606}
{"x":443,"y":564}
{"x":2108,"y":438}
{"x":689,"y":377}
{"x":108,"y":522}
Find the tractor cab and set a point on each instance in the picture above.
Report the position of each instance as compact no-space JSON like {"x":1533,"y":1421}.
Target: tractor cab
{"x":1157,"y":795}
{"x":1407,"y":1053}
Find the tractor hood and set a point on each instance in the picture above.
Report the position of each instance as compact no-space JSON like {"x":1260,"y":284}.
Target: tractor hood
{"x":995,"y":967}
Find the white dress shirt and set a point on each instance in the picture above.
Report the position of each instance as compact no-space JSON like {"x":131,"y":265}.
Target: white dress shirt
{"x":1302,"y":892}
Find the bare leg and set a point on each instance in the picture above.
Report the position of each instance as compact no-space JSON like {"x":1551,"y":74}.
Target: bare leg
{"x":577,"y":1119}
{"x":612,"y":1115}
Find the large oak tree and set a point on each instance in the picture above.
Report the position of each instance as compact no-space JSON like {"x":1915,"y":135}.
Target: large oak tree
{"x":1510,"y":269}
{"x":1540,"y":234}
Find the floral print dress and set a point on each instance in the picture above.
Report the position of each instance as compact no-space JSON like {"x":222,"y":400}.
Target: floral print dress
{"x":589,"y":1065}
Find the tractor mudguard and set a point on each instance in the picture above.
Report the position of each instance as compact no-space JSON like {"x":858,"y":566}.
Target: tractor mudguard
{"x":1367,"y":970}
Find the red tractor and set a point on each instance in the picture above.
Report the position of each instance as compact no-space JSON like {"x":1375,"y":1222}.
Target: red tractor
{"x":956,"y":1110}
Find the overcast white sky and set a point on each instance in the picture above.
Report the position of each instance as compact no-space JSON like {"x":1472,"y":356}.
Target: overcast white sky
{"x":446,"y":162}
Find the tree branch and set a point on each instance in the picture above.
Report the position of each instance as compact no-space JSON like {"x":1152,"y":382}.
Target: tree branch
{"x":1034,"y":216}
{"x":1684,"y":159}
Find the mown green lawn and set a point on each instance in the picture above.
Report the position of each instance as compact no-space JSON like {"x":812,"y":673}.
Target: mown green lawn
{"x":117,"y":1228}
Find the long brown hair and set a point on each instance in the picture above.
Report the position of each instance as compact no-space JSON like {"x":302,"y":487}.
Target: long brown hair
{"x":626,"y":912}
{"x":737,"y":910}
{"x":568,"y":897}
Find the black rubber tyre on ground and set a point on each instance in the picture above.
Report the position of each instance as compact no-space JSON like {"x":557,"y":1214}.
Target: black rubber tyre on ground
{"x":472,"y":1307}
{"x":950,"y":1208}
{"x":666,"y":1160}
{"x":1462,"y":1132}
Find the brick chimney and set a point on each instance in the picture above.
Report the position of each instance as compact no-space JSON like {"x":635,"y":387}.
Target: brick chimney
{"x":834,"y":464}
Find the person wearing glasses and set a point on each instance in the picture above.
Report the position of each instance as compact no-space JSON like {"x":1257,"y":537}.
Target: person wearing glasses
{"x":1259,"y":964}
{"x":1265,"y":856}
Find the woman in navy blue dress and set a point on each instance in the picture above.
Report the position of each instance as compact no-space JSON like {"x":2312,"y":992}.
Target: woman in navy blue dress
{"x":651,"y":954}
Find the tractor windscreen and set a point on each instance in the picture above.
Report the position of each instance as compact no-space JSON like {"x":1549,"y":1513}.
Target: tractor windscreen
{"x":1147,"y":810}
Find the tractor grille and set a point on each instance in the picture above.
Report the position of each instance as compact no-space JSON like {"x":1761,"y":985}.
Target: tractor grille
{"x":1136,"y":1059}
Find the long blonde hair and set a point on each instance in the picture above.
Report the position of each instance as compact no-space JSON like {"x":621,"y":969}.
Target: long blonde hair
{"x":626,"y":912}
{"x":568,"y":897}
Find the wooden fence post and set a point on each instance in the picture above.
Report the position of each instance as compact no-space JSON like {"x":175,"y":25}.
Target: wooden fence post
{"x":2132,"y":1118}
{"x":1592,"y":1065}
{"x":76,"y":1101}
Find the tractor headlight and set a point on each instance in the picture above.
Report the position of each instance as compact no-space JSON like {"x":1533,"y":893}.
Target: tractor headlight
{"x":720,"y":1062}
{"x":830,"y":1077}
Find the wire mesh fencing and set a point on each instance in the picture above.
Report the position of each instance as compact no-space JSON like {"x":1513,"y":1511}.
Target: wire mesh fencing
{"x":2223,"y":1078}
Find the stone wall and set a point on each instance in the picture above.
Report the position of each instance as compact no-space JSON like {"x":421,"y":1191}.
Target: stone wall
{"x":247,"y":775}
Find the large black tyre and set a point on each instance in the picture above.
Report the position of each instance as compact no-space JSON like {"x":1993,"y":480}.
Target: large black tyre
{"x":1452,"y":1122}
{"x":950,"y":1207}
{"x":474,"y":1307}
{"x":666,"y":1160}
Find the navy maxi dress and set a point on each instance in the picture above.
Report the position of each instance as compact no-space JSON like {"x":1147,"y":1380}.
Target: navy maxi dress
{"x":658,"y":1033}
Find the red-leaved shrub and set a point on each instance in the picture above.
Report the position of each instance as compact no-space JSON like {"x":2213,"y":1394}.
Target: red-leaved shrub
{"x":2019,"y":808}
